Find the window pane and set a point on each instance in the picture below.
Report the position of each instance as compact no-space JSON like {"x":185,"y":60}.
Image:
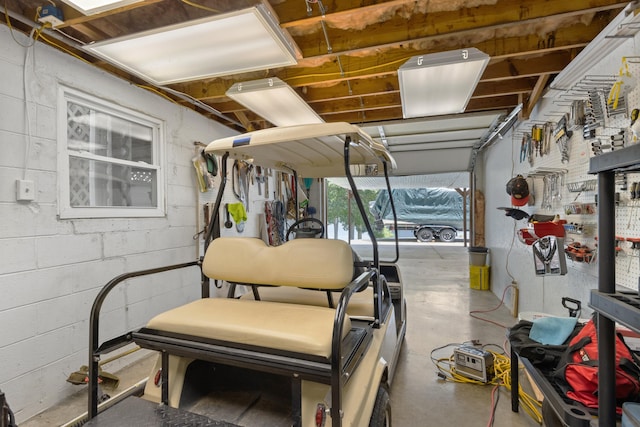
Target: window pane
{"x":113,"y":159}
{"x":95,"y":183}
{"x":78,"y":127}
{"x":107,"y":135}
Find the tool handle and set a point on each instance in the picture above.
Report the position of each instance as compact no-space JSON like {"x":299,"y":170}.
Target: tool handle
{"x":577,"y":306}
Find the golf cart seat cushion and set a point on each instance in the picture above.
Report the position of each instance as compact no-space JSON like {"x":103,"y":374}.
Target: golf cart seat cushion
{"x":360,"y":304}
{"x":256,"y":323}
{"x":305,"y":263}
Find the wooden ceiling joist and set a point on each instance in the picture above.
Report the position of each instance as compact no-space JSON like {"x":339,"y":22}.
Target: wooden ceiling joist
{"x":351,"y":53}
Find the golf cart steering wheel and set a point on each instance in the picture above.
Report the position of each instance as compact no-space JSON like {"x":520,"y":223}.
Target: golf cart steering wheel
{"x":306,"y":232}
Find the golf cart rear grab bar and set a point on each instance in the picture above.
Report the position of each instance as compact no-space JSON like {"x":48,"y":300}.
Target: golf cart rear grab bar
{"x":94,"y":324}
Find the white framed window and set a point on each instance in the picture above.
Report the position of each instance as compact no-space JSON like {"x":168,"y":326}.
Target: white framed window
{"x":109,"y":158}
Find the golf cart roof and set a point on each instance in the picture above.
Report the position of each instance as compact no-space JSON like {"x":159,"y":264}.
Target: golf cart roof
{"x":312,"y":150}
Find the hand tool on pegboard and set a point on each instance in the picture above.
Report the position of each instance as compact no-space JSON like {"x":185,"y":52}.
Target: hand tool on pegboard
{"x":634,"y":126}
{"x":598,"y":147}
{"x":633,"y":190}
{"x":594,"y":114}
{"x":621,"y":180}
{"x":626,"y":82}
{"x":618,"y":140}
{"x":561,"y":136}
{"x":573,"y":305}
{"x":259,"y":179}
{"x":536,"y":140}
{"x":524,"y":147}
{"x":635,"y":248}
{"x":577,"y":114}
{"x":547,"y":136}
{"x":618,"y":247}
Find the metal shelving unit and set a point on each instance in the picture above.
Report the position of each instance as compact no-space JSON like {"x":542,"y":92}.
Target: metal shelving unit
{"x":611,"y":306}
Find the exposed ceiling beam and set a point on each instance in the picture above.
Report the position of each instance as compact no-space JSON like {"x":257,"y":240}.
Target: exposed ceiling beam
{"x":570,"y":39}
{"x":293,"y":13}
{"x":529,"y":41}
{"x":535,"y":95}
{"x":422,"y":30}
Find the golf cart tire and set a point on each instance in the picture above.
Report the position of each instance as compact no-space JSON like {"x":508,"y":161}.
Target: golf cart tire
{"x":424,"y":234}
{"x":381,"y":416}
{"x":447,"y":235}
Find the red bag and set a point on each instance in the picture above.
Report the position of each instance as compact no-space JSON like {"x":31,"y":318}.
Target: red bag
{"x":579,"y":375}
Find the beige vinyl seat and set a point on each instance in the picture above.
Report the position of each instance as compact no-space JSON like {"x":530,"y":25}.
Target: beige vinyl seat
{"x":299,"y":268}
{"x":360,"y":305}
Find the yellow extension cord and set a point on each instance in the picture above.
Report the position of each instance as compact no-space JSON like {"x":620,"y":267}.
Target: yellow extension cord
{"x":502,"y":377}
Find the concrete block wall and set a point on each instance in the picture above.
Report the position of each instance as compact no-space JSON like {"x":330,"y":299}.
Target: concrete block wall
{"x":51,"y":269}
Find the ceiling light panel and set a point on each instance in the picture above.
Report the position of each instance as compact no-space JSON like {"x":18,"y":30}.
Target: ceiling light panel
{"x":230,"y":43}
{"x":440,"y":83}
{"x":275,"y":101}
{"x":90,"y":7}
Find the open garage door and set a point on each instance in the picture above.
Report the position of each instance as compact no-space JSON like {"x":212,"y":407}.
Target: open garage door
{"x":436,"y":144}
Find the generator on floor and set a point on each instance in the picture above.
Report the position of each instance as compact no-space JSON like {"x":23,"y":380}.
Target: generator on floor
{"x":474,"y":363}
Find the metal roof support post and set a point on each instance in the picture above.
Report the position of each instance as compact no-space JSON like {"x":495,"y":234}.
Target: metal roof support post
{"x":204,"y":280}
{"x":377,"y":290}
{"x":393,"y":210}
{"x":472,"y":208}
{"x":216,"y":209}
{"x":295,"y":190}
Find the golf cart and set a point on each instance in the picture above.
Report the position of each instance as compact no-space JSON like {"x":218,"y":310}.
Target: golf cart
{"x":316,"y":341}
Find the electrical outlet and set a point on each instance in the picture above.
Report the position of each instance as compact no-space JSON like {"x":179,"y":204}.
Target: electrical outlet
{"x":25,"y":190}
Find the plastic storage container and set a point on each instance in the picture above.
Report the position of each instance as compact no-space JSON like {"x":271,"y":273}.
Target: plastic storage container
{"x":479,"y":277}
{"x":478,"y":255}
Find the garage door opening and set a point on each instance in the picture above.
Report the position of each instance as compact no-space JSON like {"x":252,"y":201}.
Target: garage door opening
{"x":440,"y":200}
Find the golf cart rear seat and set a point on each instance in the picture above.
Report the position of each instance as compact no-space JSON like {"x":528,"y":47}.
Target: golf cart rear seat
{"x":262,"y":326}
{"x":360,"y":305}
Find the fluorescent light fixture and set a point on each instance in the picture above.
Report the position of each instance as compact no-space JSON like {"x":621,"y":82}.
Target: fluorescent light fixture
{"x":91,"y":7}
{"x":275,"y":101}
{"x":440,"y":83}
{"x":225,"y":44}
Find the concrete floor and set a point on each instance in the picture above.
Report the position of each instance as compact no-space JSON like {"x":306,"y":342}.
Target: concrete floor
{"x":439,"y":300}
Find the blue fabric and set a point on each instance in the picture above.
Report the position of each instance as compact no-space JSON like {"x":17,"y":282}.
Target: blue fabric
{"x":552,"y":330}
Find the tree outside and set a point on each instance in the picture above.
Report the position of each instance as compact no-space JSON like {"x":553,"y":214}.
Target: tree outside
{"x":338,"y":210}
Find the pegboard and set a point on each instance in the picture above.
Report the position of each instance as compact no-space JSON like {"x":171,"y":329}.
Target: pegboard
{"x":575,"y":196}
{"x":627,"y":223}
{"x":627,"y":226}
